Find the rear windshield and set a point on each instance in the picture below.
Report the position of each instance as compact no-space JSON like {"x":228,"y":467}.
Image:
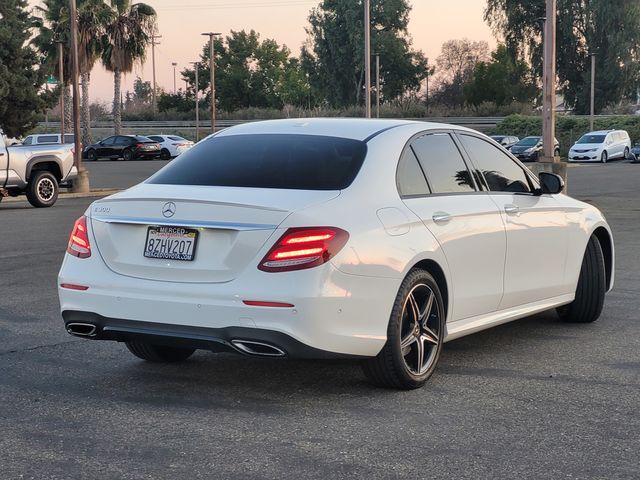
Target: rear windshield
{"x":177,"y":139}
{"x":592,"y":139}
{"x":142,"y":139}
{"x":293,"y":162}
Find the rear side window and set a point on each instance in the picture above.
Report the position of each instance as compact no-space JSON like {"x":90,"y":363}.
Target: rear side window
{"x":500,"y":172}
{"x":442,"y":163}
{"x":410,"y":178}
{"x":294,"y":162}
{"x":69,"y":138}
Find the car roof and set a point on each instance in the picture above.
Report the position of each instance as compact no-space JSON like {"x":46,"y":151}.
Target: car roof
{"x":353,"y":128}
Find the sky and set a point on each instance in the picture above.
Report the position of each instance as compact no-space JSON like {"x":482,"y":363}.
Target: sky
{"x":180,"y":23}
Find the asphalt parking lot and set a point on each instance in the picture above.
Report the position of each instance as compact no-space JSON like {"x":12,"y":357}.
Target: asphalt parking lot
{"x":532,"y":399}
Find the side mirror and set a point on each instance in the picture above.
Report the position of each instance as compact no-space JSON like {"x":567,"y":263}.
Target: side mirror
{"x":550,"y":183}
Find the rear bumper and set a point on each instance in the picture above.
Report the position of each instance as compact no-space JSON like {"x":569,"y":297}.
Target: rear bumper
{"x":214,"y":339}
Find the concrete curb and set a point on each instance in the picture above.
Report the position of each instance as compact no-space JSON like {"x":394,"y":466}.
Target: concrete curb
{"x":94,"y":193}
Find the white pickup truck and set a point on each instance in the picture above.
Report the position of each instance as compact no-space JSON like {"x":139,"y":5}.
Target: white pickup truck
{"x":37,"y":171}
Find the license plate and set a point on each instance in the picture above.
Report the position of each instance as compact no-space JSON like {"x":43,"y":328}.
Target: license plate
{"x":171,"y":243}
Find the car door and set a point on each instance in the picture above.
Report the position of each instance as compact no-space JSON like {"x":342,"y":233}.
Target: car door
{"x":536,"y":225}
{"x":440,"y":190}
{"x":121,"y":143}
{"x":104,"y":148}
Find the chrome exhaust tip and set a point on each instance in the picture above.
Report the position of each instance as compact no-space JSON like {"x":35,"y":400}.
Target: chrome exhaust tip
{"x":82,"y":329}
{"x":257,"y":349}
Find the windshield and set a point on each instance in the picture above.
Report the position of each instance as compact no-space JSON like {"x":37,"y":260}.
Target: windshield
{"x":592,"y":139}
{"x":297,"y":162}
{"x":529,"y":142}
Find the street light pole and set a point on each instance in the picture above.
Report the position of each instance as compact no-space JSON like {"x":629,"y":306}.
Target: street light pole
{"x":427,"y":96}
{"x":195,"y":67}
{"x":367,"y":56}
{"x":174,"y":64}
{"x":81,"y":184}
{"x":153,"y":67}
{"x":212,"y":66}
{"x":593,"y":90}
{"x":377,"y":85}
{"x":61,"y":85}
{"x":549,"y":99}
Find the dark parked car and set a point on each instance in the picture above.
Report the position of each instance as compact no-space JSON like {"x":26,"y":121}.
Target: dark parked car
{"x":530,"y":148}
{"x":505,"y":140}
{"x":127,"y":147}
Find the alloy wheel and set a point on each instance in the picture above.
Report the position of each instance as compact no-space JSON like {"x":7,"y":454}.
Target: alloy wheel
{"x":46,"y":189}
{"x":420,"y":329}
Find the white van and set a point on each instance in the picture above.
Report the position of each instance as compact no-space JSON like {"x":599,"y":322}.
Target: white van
{"x":601,"y":146}
{"x":47,"y":139}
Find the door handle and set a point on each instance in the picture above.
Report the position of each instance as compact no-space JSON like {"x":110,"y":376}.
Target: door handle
{"x":441,"y":217}
{"x":511,"y":209}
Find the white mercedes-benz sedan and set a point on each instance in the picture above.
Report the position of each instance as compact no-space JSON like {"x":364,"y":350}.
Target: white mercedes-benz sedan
{"x":369,"y":239}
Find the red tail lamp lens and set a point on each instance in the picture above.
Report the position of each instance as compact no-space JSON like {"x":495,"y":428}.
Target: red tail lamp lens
{"x":301,"y":248}
{"x":79,"y":240}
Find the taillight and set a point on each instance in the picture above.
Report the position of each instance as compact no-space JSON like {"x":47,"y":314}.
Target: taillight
{"x":301,"y":248}
{"x":79,"y":240}
{"x":139,"y":145}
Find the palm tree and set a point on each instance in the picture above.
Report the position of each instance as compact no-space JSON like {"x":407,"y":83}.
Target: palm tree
{"x":125,"y":43}
{"x":53,"y":27}
{"x":93,"y":16}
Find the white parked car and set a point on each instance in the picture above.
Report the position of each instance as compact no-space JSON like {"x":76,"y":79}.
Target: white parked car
{"x":323,"y":238}
{"x":601,"y":146}
{"x":171,"y":145}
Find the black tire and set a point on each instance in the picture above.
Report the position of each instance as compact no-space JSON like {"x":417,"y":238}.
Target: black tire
{"x":604,"y":157}
{"x":91,"y":155}
{"x":589,"y":300}
{"x":392,"y":367}
{"x":165,"y":154}
{"x":42,"y":189}
{"x":159,"y":354}
{"x":626,"y":153}
{"x":556,"y":152}
{"x":127,"y":155}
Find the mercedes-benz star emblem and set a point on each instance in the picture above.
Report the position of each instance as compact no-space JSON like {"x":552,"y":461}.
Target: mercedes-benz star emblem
{"x":169,"y":209}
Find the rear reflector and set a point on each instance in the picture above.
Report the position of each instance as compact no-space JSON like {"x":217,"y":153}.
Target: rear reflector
{"x":78,"y":245}
{"x":257,"y":303}
{"x":71,"y":286}
{"x":301,"y":248}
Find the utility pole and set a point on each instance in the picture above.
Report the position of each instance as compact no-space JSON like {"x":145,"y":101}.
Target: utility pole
{"x":81,"y":184}
{"x":61,"y":85}
{"x":593,"y":90}
{"x":377,"y":85}
{"x":427,"y":96}
{"x":367,"y":56}
{"x":153,"y":67}
{"x":549,"y":98}
{"x":195,"y":67}
{"x":174,"y":64}
{"x":212,"y":66}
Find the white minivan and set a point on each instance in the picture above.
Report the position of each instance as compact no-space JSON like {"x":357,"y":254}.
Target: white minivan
{"x":601,"y":146}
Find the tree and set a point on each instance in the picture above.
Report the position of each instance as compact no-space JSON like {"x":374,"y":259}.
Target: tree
{"x":251,"y":73}
{"x":333,"y":58}
{"x":503,"y":80}
{"x":20,"y":77}
{"x":125,"y":43}
{"x":141,"y":91}
{"x":609,"y":29}
{"x":456,"y":65}
{"x":93,"y":16}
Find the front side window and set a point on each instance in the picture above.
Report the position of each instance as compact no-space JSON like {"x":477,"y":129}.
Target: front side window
{"x":502,"y":174}
{"x":285,"y":161}
{"x":443,"y":164}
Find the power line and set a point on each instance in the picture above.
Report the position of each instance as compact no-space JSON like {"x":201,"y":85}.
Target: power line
{"x":253,"y":4}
